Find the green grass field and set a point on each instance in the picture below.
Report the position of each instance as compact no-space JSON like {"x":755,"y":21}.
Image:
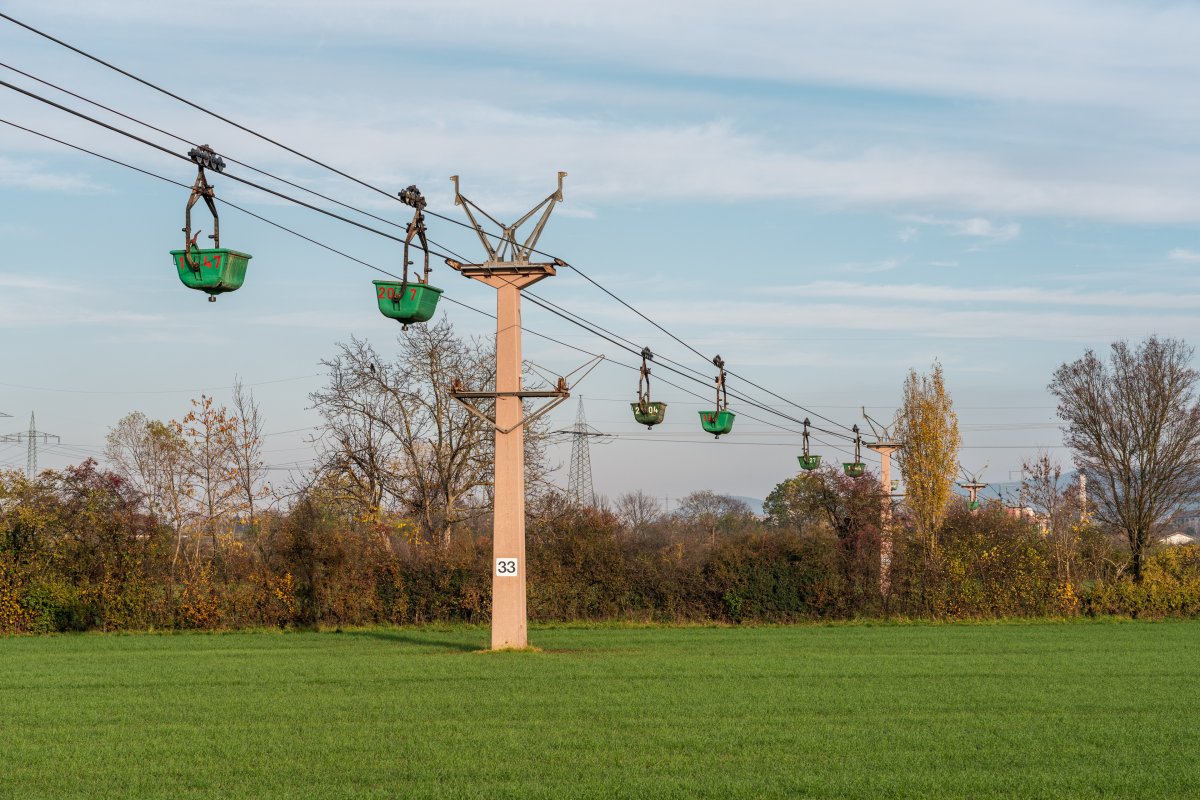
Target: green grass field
{"x":1005,"y":710}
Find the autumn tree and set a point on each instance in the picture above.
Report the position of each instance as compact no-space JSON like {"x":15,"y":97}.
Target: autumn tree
{"x":27,"y":512}
{"x":849,"y":507}
{"x":1133,"y":425}
{"x":928,"y":427}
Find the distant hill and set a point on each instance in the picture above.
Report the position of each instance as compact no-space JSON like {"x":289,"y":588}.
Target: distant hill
{"x":755,"y":504}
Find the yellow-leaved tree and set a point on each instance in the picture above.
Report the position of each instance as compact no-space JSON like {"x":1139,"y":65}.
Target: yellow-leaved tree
{"x":928,"y":427}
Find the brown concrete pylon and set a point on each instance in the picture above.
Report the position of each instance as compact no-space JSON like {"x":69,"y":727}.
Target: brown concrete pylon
{"x":508,"y":270}
{"x":885,"y":445}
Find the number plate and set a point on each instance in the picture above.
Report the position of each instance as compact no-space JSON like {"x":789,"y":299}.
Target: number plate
{"x":506,"y":567}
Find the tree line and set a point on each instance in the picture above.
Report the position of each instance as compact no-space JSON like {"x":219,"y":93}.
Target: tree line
{"x":180,"y":527}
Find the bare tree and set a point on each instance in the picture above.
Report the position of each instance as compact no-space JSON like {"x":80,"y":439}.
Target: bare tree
{"x":638,"y":510}
{"x":394,"y":431}
{"x":153,"y":457}
{"x":710,"y":511}
{"x":1134,"y":427}
{"x":359,"y":446}
{"x":1058,"y":507}
{"x":245,"y":450}
{"x":206,"y":430}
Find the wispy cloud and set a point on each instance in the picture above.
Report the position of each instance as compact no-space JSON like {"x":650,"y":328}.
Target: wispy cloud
{"x":1028,"y":295}
{"x":937,"y":320}
{"x":1183,"y":254}
{"x":975,"y":227}
{"x":11,"y":281}
{"x":1070,"y":51}
{"x":31,"y":175}
{"x":986,"y":229}
{"x":885,"y":265}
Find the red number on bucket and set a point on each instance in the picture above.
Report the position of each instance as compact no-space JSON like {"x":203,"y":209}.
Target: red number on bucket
{"x":207,"y":261}
{"x":382,"y":292}
{"x":217,"y":261}
{"x":412,"y":294}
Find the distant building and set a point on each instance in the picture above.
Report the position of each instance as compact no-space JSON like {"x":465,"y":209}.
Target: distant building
{"x":1027,"y":513}
{"x":1176,"y":539}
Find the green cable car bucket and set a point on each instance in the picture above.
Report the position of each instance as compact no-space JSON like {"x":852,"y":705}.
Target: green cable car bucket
{"x":646,"y":411}
{"x":406,"y":303}
{"x":720,"y":420}
{"x":212,"y":270}
{"x":717,"y":422}
{"x":809,"y":463}
{"x":216,"y":269}
{"x":649,"y":414}
{"x":403,"y":300}
{"x":855,"y":468}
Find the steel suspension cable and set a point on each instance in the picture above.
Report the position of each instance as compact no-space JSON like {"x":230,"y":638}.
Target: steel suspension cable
{"x":187,"y":141}
{"x":355,"y":223}
{"x":367,"y":185}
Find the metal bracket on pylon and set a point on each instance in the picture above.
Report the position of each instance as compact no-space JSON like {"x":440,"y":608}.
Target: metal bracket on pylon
{"x":558,"y":395}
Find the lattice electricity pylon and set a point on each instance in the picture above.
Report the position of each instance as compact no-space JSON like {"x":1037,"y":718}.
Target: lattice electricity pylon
{"x":579,"y":481}
{"x":30,"y":437}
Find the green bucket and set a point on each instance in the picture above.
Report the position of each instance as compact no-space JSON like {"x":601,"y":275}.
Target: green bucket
{"x":717,"y":422}
{"x":854,"y":469}
{"x":649,"y":414}
{"x":406,"y":303}
{"x":809,"y":462}
{"x":219,"y":269}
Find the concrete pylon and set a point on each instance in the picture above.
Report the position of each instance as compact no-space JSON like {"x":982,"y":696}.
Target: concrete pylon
{"x":508,"y":271}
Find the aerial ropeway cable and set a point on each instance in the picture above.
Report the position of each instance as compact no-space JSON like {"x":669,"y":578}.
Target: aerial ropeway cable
{"x":223,"y":268}
{"x":400,"y":278}
{"x":367,"y":185}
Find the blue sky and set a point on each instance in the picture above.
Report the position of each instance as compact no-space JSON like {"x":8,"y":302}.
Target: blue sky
{"x":825,"y":194}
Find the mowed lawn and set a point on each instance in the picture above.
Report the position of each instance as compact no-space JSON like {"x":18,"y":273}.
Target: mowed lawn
{"x":1005,"y":710}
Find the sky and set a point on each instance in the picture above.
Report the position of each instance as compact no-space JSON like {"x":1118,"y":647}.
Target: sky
{"x":827,"y":195}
